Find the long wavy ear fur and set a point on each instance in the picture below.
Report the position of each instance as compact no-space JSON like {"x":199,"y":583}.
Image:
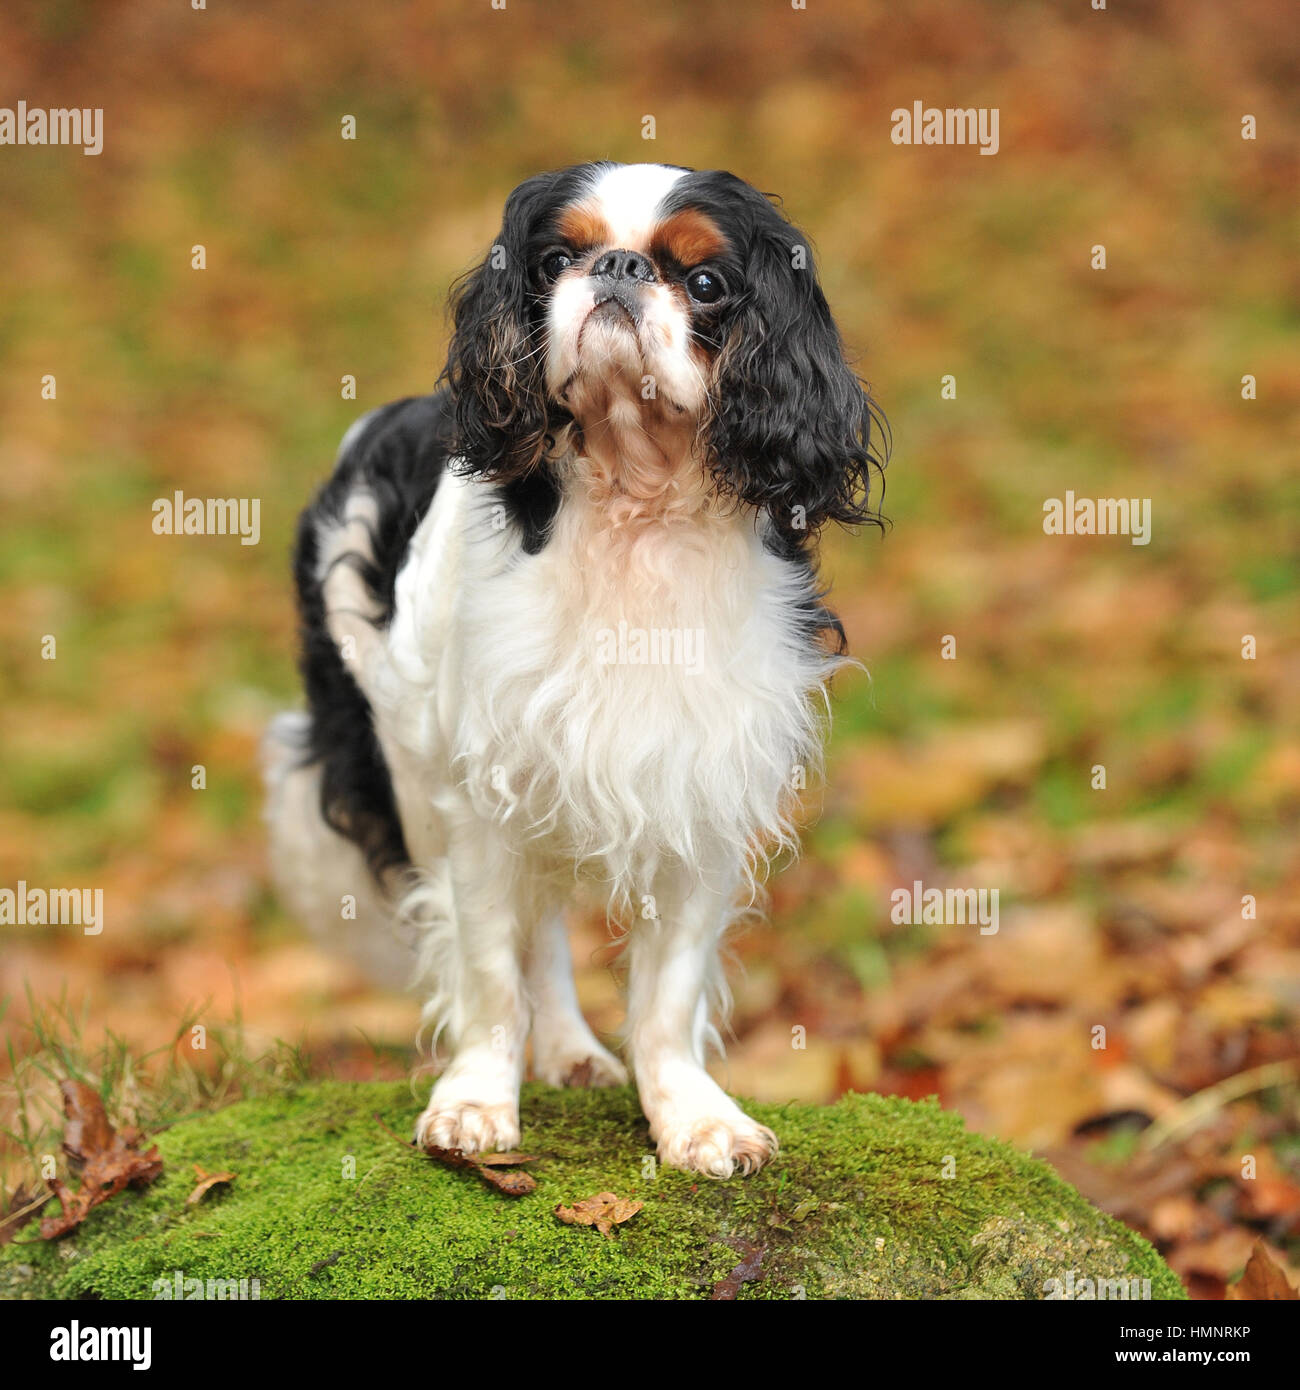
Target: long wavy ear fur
{"x":791,"y":428}
{"x":495,"y":367}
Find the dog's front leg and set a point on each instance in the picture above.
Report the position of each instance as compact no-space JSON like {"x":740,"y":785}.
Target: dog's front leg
{"x":674,"y":971}
{"x":475,"y":1102}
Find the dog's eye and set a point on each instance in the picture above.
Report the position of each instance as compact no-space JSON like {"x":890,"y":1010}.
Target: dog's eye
{"x":704,"y":286}
{"x":555,"y":263}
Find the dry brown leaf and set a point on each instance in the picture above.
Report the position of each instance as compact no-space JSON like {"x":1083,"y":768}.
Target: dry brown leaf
{"x":580,"y":1074}
{"x":207,"y":1181}
{"x":604,"y":1211}
{"x":1263,"y":1279}
{"x":106,"y":1160}
{"x":513,"y":1182}
{"x":88,"y":1131}
{"x":745,"y":1272}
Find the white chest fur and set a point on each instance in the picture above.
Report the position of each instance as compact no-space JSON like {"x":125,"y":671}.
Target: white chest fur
{"x":627,"y":695}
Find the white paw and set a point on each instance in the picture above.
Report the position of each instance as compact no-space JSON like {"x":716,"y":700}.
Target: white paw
{"x":717,"y":1146}
{"x":697,"y":1125}
{"x":473,"y":1127}
{"x":578,"y":1062}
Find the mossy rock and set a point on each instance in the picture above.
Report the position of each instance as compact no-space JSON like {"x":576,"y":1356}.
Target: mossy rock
{"x":327,"y":1203}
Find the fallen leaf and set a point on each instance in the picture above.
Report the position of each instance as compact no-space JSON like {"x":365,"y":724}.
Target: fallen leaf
{"x":88,"y":1131}
{"x":512,"y":1183}
{"x":106,"y":1160}
{"x":207,"y":1181}
{"x":604,"y":1211}
{"x":580,"y":1074}
{"x":1262,"y":1280}
{"x":745,"y":1272}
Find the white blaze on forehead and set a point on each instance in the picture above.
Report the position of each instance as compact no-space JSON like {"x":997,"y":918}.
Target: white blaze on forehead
{"x":629,"y":197}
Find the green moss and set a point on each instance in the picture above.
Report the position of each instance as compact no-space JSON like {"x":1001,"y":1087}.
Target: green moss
{"x":327,"y":1204}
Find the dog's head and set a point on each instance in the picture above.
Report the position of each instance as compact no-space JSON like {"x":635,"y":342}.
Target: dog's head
{"x":665,"y":322}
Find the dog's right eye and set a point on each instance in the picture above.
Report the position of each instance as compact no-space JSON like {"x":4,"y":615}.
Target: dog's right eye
{"x":555,"y":263}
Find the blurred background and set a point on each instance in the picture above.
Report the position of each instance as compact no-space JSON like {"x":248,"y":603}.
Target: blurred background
{"x":1120,"y":908}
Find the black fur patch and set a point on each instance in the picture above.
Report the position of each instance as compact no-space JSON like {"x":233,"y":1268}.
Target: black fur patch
{"x":398,"y":458}
{"x":504,"y":419}
{"x":792,"y":429}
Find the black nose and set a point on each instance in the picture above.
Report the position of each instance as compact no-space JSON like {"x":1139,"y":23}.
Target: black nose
{"x":625,"y":265}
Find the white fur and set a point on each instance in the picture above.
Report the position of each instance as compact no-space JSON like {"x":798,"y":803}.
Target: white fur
{"x":629,"y":196}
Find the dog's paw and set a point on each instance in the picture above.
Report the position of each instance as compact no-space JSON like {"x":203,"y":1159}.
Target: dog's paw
{"x":581,"y":1065}
{"x":471,"y":1126}
{"x":717,"y":1146}
{"x":696,"y":1124}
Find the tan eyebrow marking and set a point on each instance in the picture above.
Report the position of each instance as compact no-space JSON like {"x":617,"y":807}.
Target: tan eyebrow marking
{"x":583,"y":227}
{"x":689,"y":237}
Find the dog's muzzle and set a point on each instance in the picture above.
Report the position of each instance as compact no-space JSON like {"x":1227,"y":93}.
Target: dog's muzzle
{"x":618,"y":279}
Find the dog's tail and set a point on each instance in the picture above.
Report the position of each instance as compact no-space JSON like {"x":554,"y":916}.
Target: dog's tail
{"x":322,"y":877}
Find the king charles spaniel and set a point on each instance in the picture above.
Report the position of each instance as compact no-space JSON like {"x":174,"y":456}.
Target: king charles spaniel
{"x":562,"y":626}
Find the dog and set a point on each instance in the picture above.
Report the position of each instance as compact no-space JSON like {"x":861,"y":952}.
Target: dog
{"x":562,"y":626}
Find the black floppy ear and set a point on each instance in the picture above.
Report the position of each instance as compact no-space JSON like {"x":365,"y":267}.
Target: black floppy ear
{"x":495,"y":368}
{"x":791,"y":424}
